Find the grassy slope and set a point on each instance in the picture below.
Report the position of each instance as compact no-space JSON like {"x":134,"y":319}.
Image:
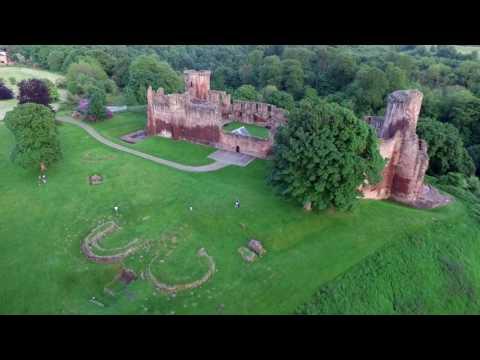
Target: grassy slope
{"x":467,"y":49}
{"x":432,"y":271}
{"x":254,"y":130}
{"x":180,"y":151}
{"x":41,"y":227}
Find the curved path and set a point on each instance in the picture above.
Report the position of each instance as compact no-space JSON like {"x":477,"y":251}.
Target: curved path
{"x":97,"y":136}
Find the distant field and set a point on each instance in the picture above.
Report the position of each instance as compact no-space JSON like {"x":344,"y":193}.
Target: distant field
{"x":254,"y":130}
{"x":466,"y":49}
{"x":22,"y":73}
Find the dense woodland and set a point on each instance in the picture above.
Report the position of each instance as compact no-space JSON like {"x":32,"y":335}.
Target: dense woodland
{"x":356,"y":77}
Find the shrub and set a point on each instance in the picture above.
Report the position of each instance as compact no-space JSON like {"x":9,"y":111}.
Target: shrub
{"x":33,"y":91}
{"x":5,"y":92}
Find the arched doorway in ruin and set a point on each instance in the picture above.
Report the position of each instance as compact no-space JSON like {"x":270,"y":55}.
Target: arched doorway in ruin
{"x":237,"y":149}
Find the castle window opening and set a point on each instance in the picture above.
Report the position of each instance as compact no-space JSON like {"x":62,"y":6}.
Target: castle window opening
{"x":237,"y":149}
{"x":269,"y":108}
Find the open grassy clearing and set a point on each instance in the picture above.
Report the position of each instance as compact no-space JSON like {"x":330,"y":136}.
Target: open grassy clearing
{"x":23,"y":73}
{"x":43,"y":271}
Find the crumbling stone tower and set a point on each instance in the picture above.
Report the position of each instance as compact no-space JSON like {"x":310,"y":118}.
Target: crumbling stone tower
{"x":405,"y":152}
{"x":197,"y":84}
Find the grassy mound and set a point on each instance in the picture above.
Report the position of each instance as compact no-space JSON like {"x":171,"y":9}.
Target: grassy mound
{"x":432,"y":270}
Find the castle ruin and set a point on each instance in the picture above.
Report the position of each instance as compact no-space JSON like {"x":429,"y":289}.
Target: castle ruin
{"x":199,"y":115}
{"x":406,"y":154}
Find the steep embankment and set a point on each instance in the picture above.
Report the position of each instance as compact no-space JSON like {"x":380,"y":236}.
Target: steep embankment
{"x":433,"y":271}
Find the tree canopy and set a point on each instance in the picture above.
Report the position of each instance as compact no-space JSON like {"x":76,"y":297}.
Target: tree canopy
{"x":36,"y":136}
{"x":323,"y":155}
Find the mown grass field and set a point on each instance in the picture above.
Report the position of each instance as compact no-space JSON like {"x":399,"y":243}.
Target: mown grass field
{"x":254,"y":130}
{"x":42,"y":270}
{"x":23,"y":73}
{"x":179,"y":151}
{"x":433,"y":271}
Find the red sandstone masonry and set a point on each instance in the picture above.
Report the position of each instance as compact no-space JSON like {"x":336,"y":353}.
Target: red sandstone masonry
{"x":199,"y":114}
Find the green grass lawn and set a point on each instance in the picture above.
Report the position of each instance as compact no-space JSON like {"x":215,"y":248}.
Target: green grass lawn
{"x":254,"y":130}
{"x":42,"y":270}
{"x":23,"y":73}
{"x":433,"y":271}
{"x":183,"y":152}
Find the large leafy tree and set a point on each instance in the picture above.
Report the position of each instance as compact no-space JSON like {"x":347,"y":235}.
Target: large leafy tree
{"x":35,"y":132}
{"x":97,"y":102}
{"x":271,"y":71}
{"x":33,"y":91}
{"x":292,"y":77}
{"x":446,"y":150}
{"x":247,"y":93}
{"x":323,"y":155}
{"x":85,"y":73}
{"x":147,"y":70}
{"x":278,"y":98}
{"x":369,"y":89}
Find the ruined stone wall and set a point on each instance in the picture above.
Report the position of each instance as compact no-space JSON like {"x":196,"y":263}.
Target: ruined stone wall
{"x":406,"y":154}
{"x":259,"y":113}
{"x":197,"y":83}
{"x":246,"y":145}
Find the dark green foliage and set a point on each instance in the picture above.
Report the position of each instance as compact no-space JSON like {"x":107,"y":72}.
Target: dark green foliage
{"x":292,"y":77}
{"x":35,"y":132}
{"x":147,"y":70}
{"x":52,"y":90}
{"x":97,"y":102}
{"x":323,"y":155}
{"x":55,"y":60}
{"x":246,"y":93}
{"x":278,"y":98}
{"x":474,"y":152}
{"x":369,"y":90}
{"x":84,"y":74}
{"x":445,"y":148}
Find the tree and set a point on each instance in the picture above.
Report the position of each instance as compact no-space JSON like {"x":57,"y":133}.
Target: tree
{"x":462,"y":108}
{"x":292,"y":77}
{"x":446,"y":150}
{"x":147,"y":70}
{"x":96,"y":105}
{"x":369,"y":89}
{"x":5,"y":92}
{"x":55,"y":60}
{"x":247,"y":93}
{"x":397,"y":78}
{"x":52,"y":90}
{"x":84,"y":74}
{"x":36,"y":143}
{"x":323,"y":155}
{"x":278,"y":98}
{"x":469,"y":76}
{"x":474,"y":152}
{"x":33,"y":91}
{"x":271,"y":71}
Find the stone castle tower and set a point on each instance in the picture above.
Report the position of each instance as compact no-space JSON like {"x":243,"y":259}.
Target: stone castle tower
{"x":197,"y":84}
